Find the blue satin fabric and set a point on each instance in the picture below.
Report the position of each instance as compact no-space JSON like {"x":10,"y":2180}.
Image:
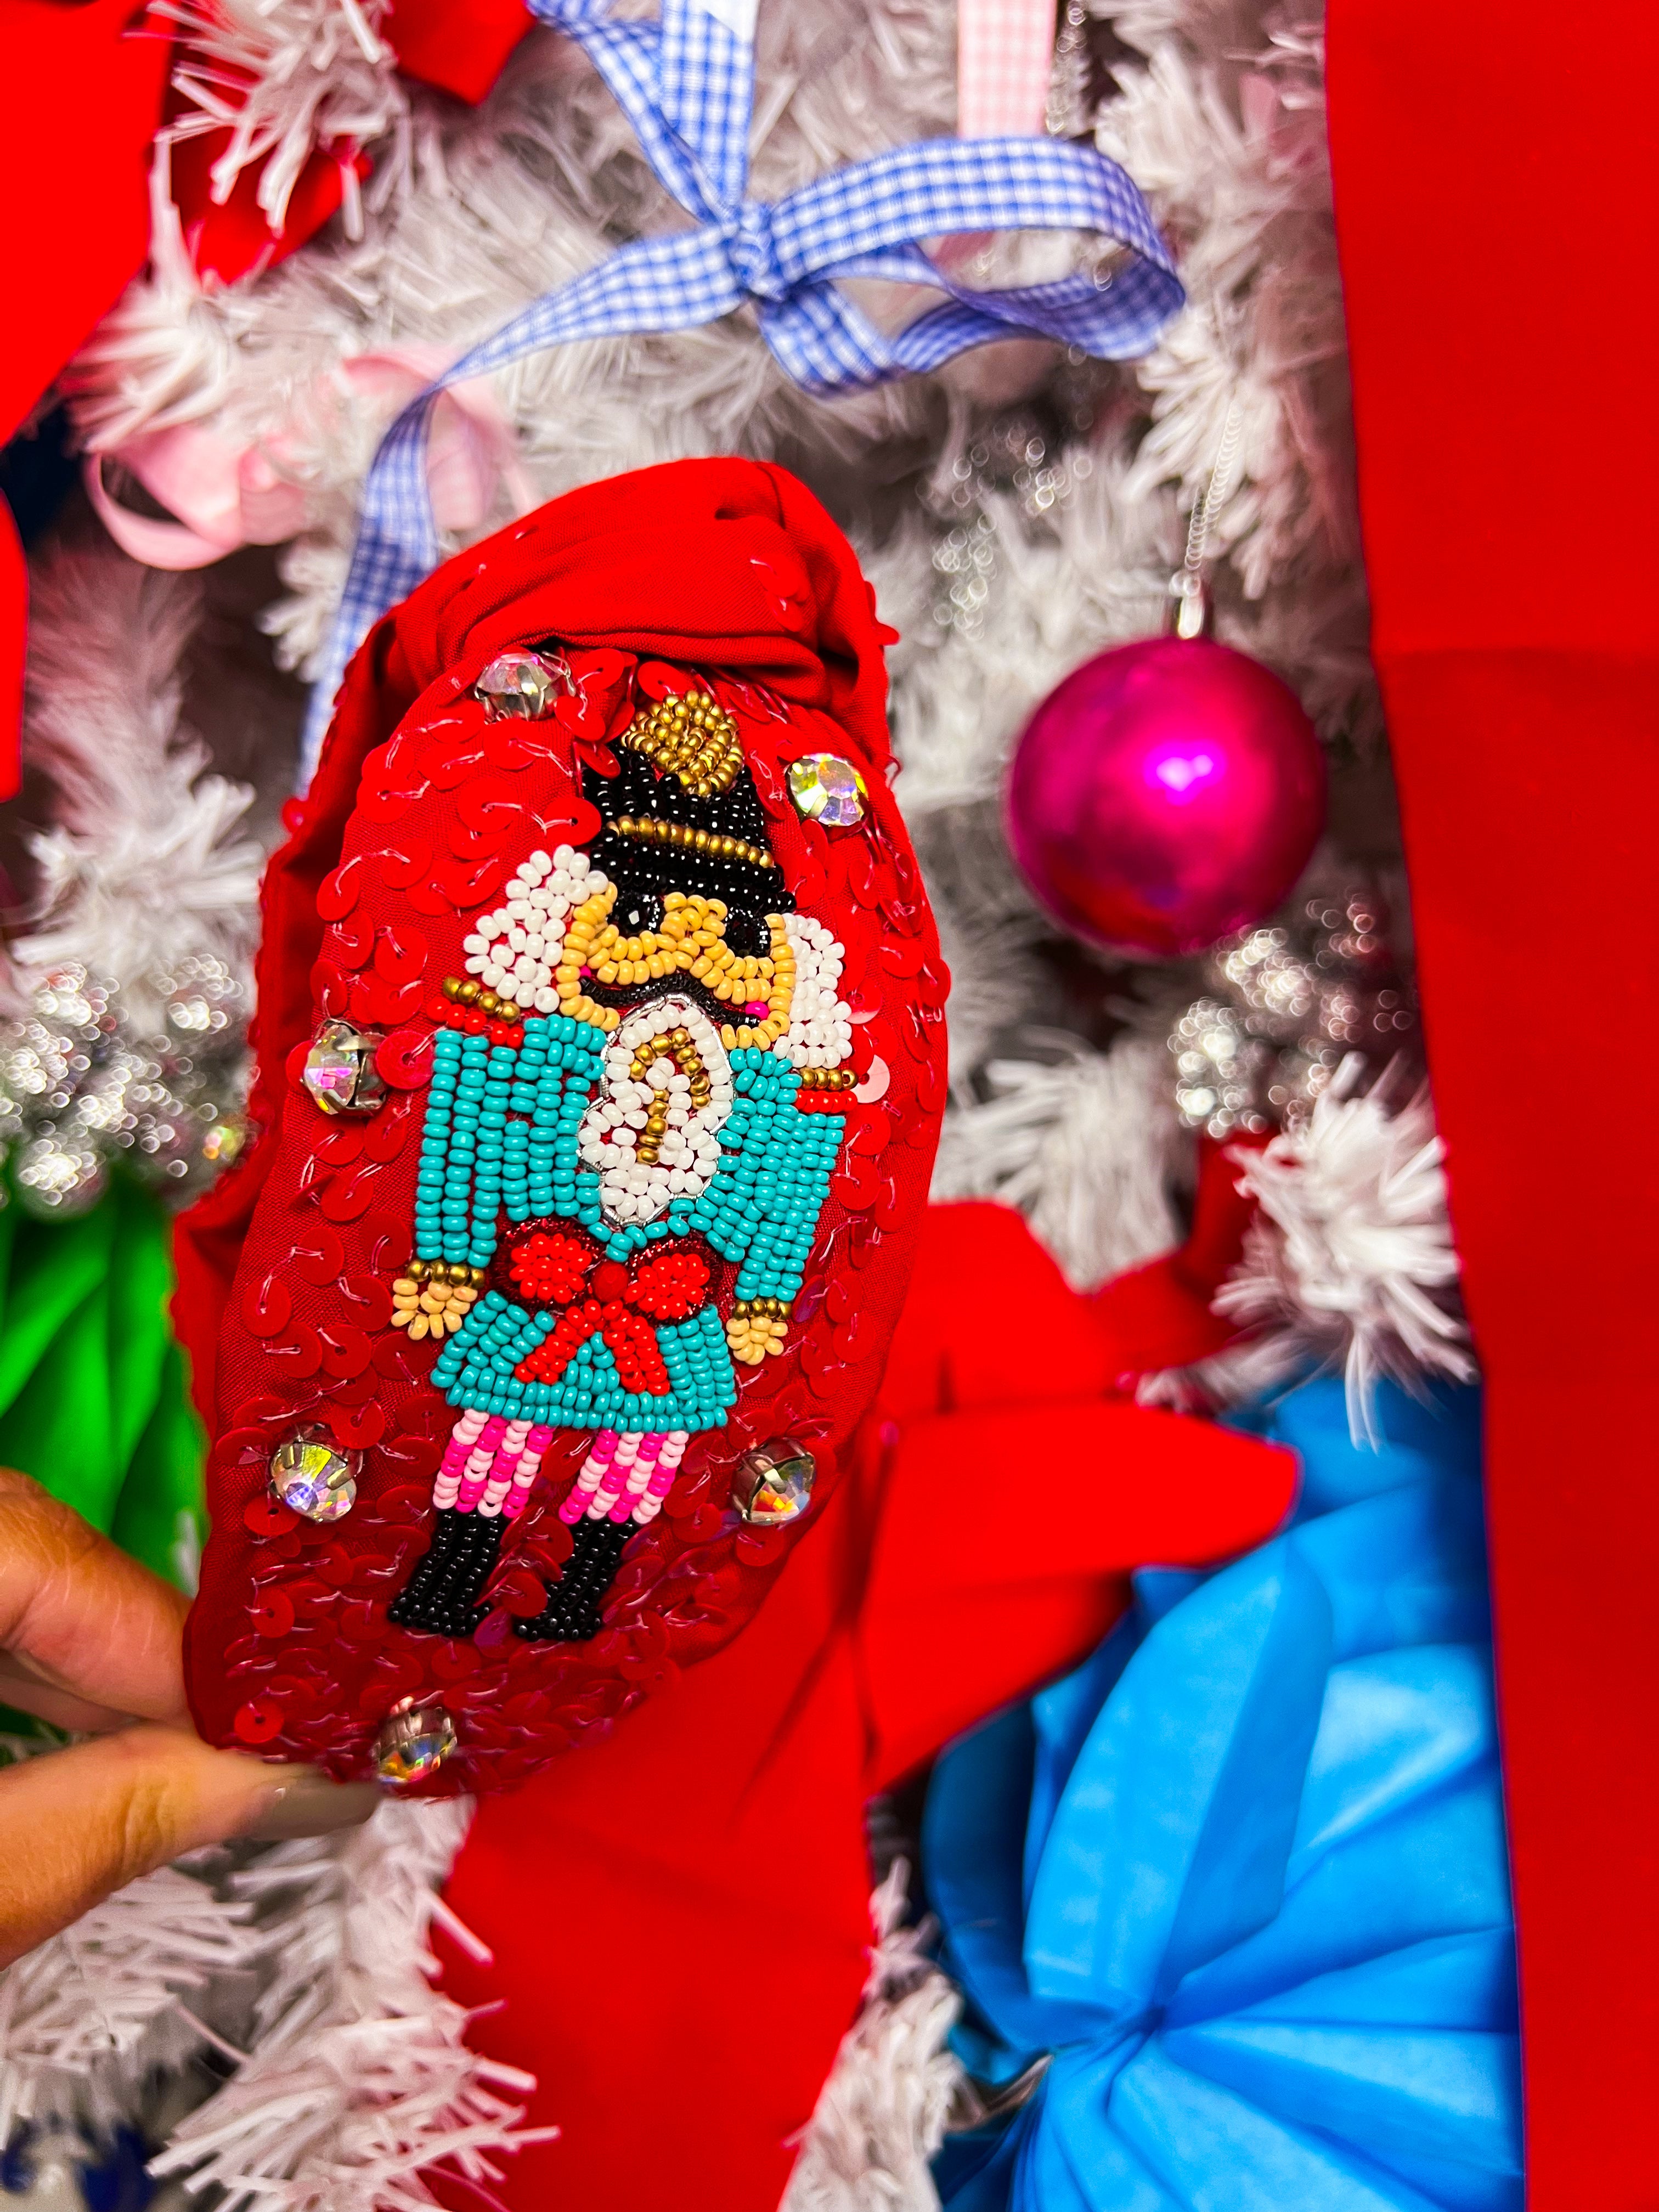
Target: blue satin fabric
{"x":1243,"y":1873}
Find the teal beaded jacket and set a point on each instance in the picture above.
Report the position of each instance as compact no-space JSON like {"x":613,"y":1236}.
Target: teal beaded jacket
{"x":502,"y":1157}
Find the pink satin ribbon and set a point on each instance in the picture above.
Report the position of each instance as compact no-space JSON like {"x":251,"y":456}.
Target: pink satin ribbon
{"x":1005,"y":58}
{"x":224,"y":495}
{"x":1004,"y":53}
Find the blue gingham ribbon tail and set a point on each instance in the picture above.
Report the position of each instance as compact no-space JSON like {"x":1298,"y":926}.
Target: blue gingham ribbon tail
{"x":687,"y":86}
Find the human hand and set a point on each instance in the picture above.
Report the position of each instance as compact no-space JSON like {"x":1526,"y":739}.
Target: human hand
{"x":89,"y":1641}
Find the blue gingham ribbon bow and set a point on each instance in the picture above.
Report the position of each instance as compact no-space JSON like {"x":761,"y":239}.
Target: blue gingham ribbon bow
{"x":687,"y":85}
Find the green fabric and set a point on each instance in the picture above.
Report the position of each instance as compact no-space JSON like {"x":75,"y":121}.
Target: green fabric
{"x":93,"y":1397}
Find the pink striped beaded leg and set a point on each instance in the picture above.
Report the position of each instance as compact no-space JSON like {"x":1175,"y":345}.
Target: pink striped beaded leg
{"x":442,"y":1597}
{"x":662,"y":1476}
{"x":639,"y":1475}
{"x":529,"y":1466}
{"x":476,"y":1473}
{"x":593,"y":1468}
{"x":614,"y":1480}
{"x":447,"y":1484}
{"x":514,"y":1437}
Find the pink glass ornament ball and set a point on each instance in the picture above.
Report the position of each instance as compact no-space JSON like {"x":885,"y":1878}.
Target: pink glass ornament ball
{"x":1166,"y":793}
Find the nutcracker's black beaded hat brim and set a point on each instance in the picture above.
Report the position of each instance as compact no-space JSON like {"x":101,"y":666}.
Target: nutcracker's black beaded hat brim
{"x":644,"y":870}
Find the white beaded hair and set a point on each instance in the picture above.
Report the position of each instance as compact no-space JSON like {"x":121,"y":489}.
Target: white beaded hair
{"x":820,"y":1031}
{"x":516,"y":949}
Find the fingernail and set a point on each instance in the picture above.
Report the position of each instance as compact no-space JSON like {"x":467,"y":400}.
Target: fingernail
{"x":303,"y":1802}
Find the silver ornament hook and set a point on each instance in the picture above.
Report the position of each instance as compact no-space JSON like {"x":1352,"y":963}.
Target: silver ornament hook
{"x":1189,"y":591}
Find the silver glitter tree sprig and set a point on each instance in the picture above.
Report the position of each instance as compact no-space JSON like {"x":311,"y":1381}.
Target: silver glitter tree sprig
{"x":1018,"y":466}
{"x":1284,"y":1005}
{"x":80,"y":1087}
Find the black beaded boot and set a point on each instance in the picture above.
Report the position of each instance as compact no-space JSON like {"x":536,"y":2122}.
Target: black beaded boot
{"x":572,"y":1614}
{"x":441,"y":1596}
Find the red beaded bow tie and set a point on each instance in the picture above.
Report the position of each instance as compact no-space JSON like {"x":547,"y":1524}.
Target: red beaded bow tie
{"x":605,"y":1297}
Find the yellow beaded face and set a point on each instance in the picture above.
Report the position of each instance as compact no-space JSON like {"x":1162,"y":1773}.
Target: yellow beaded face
{"x":758,"y":988}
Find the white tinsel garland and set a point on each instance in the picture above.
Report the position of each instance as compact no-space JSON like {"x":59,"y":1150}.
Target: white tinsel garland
{"x":359,"y":2078}
{"x":352,"y":2076}
{"x":87,"y":2017}
{"x":1350,"y":1259}
{"x":1086,"y":1144}
{"x":883,"y":2111}
{"x":283,"y":80}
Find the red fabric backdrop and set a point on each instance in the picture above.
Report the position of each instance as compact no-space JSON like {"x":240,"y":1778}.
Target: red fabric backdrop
{"x":1499,"y":225}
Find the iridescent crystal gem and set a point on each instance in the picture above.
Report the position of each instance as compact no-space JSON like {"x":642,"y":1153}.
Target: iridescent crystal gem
{"x":414,"y":1741}
{"x":828,"y":789}
{"x":520,"y":684}
{"x":340,"y":1072}
{"x":773,"y":1482}
{"x":313,"y":1478}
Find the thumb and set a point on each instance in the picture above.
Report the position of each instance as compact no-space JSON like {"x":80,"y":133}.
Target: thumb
{"x":75,"y":1824}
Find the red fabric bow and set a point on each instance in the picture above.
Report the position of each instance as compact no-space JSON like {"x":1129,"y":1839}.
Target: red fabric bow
{"x":722,"y":1950}
{"x":603,"y":1298}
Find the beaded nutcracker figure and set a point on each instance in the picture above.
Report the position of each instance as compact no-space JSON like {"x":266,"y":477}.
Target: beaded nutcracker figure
{"x":631,"y":1114}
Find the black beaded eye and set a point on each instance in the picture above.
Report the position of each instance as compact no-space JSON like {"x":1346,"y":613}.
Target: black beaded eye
{"x":639,"y":909}
{"x":746,"y":932}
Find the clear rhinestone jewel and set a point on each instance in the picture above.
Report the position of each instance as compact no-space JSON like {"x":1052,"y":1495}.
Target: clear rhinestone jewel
{"x":340,"y":1072}
{"x":414,"y":1741}
{"x":828,"y":789}
{"x":520,"y":684}
{"x":313,"y":1478}
{"x":773,"y":1482}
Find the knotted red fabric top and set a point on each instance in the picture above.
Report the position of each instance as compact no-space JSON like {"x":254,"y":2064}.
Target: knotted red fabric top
{"x":727,"y":563}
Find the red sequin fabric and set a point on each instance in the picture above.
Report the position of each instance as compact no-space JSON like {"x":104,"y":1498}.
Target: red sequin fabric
{"x":722,"y":578}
